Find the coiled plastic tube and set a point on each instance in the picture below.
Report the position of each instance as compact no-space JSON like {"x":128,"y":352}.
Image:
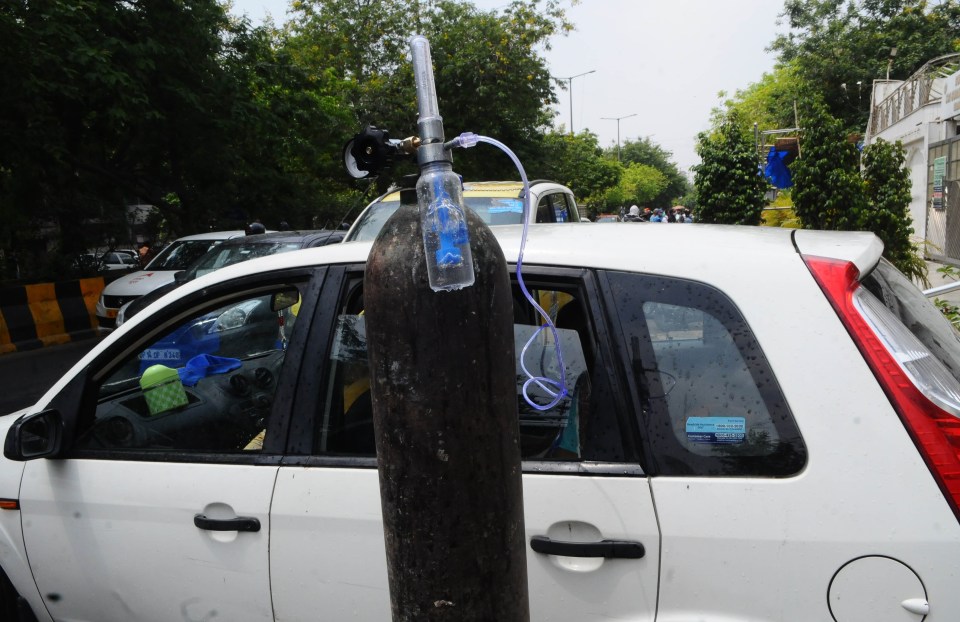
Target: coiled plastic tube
{"x":556,"y":388}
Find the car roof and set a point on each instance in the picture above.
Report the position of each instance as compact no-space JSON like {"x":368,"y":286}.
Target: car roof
{"x":213,"y":235}
{"x":306,"y":237}
{"x":712,"y":253}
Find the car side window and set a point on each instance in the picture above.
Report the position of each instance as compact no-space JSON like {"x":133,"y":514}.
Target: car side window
{"x":205,"y":385}
{"x":561,"y":207}
{"x":710,"y":404}
{"x":545,"y":210}
{"x":581,"y":427}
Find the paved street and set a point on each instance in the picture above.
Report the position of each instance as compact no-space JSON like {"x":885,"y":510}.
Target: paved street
{"x":25,"y":376}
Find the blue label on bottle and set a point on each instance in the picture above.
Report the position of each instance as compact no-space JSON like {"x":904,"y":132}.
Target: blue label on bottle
{"x":716,"y":430}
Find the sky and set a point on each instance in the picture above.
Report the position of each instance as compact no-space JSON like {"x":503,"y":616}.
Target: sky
{"x":665,"y":61}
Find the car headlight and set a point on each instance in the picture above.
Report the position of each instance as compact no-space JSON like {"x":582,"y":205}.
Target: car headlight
{"x":234,"y":317}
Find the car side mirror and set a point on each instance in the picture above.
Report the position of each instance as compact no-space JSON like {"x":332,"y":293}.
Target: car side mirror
{"x":284,"y":299}
{"x":180,"y":277}
{"x":34,"y":436}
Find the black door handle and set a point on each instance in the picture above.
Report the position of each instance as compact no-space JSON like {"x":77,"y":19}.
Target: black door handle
{"x":622,"y":549}
{"x":240,"y":523}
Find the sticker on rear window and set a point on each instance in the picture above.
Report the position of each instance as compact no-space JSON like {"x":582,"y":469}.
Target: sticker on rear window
{"x":716,"y":430}
{"x":500,"y":206}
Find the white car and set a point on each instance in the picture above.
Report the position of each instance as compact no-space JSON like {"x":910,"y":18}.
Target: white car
{"x":772,"y":415}
{"x":496,"y":202}
{"x":175,"y":257}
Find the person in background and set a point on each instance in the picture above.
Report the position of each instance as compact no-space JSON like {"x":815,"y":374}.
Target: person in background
{"x":146,"y":253}
{"x":633,"y":215}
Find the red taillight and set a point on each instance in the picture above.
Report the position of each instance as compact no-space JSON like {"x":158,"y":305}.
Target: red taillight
{"x":935,"y":429}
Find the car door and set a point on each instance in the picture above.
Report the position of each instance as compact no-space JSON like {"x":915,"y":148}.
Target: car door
{"x":159,"y":507}
{"x":582,"y":481}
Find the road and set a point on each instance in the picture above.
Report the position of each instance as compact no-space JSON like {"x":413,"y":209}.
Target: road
{"x":26,"y":376}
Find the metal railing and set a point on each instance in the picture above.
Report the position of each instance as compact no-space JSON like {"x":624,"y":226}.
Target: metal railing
{"x":915,"y":92}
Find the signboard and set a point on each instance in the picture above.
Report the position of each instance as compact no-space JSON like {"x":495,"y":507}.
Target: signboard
{"x":939,"y":172}
{"x":950,"y":102}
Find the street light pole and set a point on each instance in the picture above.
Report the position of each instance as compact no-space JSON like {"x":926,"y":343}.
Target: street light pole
{"x":570,"y":88}
{"x":617,"y":119}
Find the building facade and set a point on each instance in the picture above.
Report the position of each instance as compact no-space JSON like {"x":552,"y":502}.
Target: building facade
{"x":923,"y":113}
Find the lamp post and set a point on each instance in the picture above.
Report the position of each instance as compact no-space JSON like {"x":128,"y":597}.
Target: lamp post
{"x":570,"y":88}
{"x":617,"y":119}
{"x":893,"y":54}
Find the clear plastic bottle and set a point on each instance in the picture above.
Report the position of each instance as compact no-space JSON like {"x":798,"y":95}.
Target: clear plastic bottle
{"x":443,"y":218}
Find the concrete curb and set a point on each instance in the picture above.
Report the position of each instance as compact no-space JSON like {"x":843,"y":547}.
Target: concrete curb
{"x":34,"y":316}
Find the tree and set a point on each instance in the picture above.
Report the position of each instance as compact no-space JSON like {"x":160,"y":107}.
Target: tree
{"x":645,"y":151}
{"x":768,"y":103}
{"x":639,"y":184}
{"x":728,"y":182}
{"x":490,"y":75}
{"x":577,"y":162}
{"x":834,"y":44}
{"x":828,"y":191}
{"x":887,"y":184}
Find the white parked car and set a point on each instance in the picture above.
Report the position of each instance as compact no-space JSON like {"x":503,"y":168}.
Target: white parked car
{"x":495,"y":202}
{"x":174,"y":258}
{"x":771,"y":413}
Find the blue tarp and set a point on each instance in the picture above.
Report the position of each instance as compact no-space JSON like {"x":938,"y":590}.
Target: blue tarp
{"x":777,"y":171}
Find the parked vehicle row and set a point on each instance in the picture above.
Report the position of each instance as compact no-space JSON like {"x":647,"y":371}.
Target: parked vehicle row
{"x":771,"y":413}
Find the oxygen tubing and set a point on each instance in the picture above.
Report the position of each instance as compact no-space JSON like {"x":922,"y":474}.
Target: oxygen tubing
{"x":559,"y":390}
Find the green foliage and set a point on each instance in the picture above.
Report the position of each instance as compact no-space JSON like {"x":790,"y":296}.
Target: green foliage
{"x":490,"y":76}
{"x":645,"y":151}
{"x":831,"y":193}
{"x":836,"y":43}
{"x":888,"y":188}
{"x":177,"y":105}
{"x":577,"y":162}
{"x":828,"y":191}
{"x":729,"y":186}
{"x":948,"y":309}
{"x":767,"y":102}
{"x":639,"y":184}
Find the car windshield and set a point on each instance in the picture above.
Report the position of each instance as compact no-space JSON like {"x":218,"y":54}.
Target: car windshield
{"x":180,"y":254}
{"x":492,"y":210}
{"x":227,"y":255}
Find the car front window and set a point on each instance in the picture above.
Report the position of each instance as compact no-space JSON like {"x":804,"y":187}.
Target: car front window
{"x":205,"y":385}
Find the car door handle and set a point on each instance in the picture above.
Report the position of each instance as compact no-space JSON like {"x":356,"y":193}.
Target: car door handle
{"x":240,"y":523}
{"x":622,"y":549}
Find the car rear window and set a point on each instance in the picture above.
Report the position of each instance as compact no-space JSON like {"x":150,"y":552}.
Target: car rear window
{"x":708,"y":401}
{"x":181,"y":254}
{"x":228,"y":255}
{"x":916,"y":312}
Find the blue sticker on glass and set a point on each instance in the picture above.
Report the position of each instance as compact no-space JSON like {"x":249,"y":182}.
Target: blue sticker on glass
{"x":716,"y":430}
{"x":504,"y":206}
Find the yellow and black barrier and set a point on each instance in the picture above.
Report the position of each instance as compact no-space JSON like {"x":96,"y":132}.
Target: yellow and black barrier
{"x":34,"y":316}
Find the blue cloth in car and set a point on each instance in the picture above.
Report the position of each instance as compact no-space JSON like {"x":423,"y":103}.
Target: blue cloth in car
{"x":204,"y":365}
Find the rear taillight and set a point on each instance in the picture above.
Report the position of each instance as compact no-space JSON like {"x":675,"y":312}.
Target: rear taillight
{"x":924,"y":392}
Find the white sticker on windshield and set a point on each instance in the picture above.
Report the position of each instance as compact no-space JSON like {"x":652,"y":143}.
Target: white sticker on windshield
{"x":716,"y":430}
